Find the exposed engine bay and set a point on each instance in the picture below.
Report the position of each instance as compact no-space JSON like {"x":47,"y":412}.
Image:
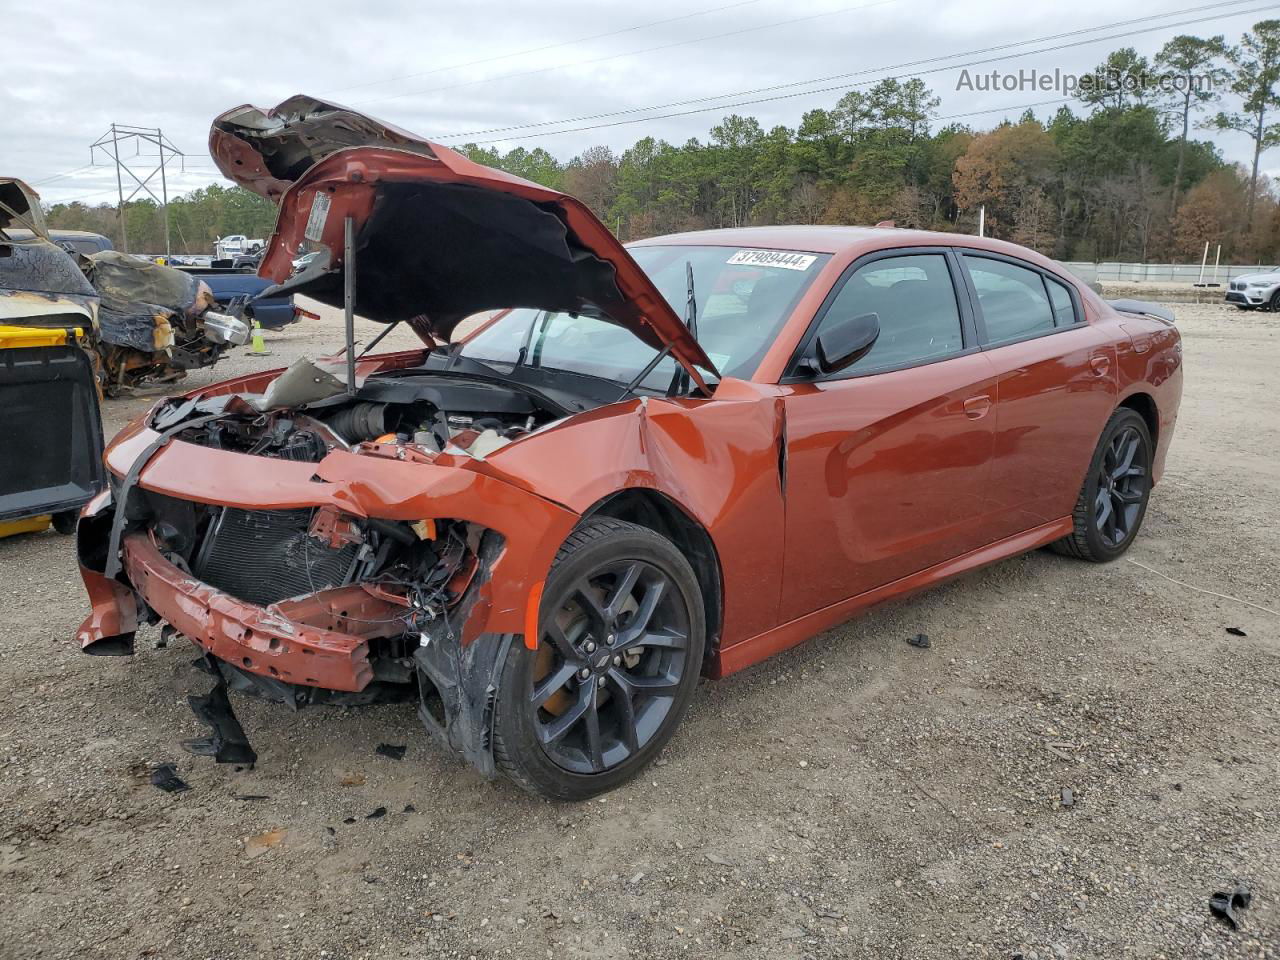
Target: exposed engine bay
{"x":307,"y":412}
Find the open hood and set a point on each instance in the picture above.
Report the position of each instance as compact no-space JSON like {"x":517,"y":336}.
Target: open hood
{"x":437,"y":237}
{"x":20,"y":208}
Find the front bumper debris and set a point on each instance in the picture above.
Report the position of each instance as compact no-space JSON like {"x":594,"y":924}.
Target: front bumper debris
{"x":298,"y":641}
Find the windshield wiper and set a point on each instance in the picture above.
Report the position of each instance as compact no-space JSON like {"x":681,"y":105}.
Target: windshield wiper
{"x":523,"y":355}
{"x":680,"y":379}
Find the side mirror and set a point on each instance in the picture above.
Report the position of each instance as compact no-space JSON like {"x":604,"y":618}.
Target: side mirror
{"x":847,"y":342}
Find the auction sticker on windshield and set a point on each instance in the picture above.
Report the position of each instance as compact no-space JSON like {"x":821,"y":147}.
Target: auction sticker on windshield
{"x":773,"y":258}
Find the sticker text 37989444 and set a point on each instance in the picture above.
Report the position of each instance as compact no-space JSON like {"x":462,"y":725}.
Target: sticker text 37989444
{"x":773,"y":258}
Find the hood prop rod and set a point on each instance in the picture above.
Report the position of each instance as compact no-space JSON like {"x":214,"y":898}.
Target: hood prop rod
{"x":349,"y":298}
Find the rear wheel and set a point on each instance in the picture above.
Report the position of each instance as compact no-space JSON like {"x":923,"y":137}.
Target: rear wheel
{"x":1113,"y":499}
{"x":620,"y":644}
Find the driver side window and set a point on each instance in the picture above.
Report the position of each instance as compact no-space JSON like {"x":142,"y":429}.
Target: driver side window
{"x":915,"y":300}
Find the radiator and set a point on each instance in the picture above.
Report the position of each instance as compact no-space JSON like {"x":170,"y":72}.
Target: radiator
{"x":263,"y":556}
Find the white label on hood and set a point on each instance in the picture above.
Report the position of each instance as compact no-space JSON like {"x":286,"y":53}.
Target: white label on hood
{"x":319,"y":214}
{"x":772,"y":258}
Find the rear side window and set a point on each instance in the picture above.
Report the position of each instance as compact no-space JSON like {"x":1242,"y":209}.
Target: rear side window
{"x":916,"y":302}
{"x":1064,"y":309}
{"x":1013,"y":299}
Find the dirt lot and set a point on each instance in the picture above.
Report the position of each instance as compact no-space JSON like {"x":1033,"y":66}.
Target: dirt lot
{"x":856,"y":797}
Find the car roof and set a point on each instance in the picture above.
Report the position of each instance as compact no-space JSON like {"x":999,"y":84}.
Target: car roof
{"x":828,"y":238}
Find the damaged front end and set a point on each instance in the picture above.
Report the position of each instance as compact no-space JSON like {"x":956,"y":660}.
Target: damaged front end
{"x":342,"y":549}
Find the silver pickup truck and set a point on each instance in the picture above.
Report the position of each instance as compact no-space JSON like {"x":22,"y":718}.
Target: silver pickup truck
{"x":1261,"y":290}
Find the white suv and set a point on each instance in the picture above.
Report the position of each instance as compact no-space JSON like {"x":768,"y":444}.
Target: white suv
{"x":1256,"y":290}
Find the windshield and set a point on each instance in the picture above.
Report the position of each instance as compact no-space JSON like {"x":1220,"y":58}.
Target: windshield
{"x":743,"y":297}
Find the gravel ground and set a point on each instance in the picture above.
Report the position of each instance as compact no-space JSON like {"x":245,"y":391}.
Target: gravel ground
{"x":855,"y":797}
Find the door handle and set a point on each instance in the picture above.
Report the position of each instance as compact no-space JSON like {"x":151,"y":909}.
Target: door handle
{"x":975,"y":408}
{"x":1100,"y":365}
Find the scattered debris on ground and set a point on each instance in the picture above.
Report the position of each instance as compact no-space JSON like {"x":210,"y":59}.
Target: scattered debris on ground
{"x":165,"y":776}
{"x":1224,"y":906}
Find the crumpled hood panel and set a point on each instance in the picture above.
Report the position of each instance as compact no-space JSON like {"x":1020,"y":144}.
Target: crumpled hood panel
{"x":438,"y":237}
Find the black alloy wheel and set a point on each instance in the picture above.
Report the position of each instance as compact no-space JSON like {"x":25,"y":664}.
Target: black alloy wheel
{"x":619,"y":654}
{"x":1122,"y":485}
{"x":1113,"y":499}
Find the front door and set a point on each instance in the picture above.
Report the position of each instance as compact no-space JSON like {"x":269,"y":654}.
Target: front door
{"x":886,"y":461}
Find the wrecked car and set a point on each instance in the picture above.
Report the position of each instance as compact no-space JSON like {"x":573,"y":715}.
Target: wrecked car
{"x":654,"y":464}
{"x":50,"y":435}
{"x":142,"y":321}
{"x":155,"y":322}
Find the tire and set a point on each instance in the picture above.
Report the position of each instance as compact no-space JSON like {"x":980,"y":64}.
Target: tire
{"x":611,"y":581}
{"x":1105,"y":530}
{"x":65,"y":522}
{"x":1274,"y":303}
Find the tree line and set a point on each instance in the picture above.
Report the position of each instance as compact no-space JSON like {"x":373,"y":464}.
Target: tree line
{"x":1127,"y":171}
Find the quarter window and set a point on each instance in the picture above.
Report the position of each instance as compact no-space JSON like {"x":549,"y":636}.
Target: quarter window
{"x":1013,"y":299}
{"x":916,"y":302}
{"x":1064,"y":309}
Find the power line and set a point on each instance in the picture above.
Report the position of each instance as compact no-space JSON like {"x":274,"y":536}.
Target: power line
{"x":59,"y":176}
{"x":890,"y":71}
{"x":550,"y":46}
{"x":632,"y":53}
{"x":855,"y":73}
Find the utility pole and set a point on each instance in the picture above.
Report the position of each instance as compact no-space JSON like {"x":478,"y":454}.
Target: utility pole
{"x":109,"y":143}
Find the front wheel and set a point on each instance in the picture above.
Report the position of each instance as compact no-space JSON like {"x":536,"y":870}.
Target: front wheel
{"x":620,"y":648}
{"x":65,"y":522}
{"x":1113,"y":499}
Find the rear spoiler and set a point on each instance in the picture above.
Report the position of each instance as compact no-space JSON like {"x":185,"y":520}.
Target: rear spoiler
{"x":1143,"y":308}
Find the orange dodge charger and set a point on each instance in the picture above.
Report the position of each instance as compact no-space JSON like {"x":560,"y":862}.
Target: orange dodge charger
{"x":651,"y":463}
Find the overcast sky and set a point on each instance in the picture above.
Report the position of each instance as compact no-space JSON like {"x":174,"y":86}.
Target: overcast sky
{"x":71,"y":68}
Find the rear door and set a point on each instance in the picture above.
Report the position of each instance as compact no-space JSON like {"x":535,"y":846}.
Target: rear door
{"x":1056,"y":381}
{"x":886,"y":461}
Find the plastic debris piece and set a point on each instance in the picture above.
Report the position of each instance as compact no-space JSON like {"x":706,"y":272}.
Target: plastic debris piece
{"x":920,"y":640}
{"x":1236,"y":632}
{"x":1224,"y":905}
{"x":1068,"y":797}
{"x":165,"y":776}
{"x":226,"y":742}
{"x":392,"y":751}
{"x":380,"y":812}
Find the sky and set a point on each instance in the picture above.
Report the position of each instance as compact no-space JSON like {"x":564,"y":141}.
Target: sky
{"x":73,"y":67}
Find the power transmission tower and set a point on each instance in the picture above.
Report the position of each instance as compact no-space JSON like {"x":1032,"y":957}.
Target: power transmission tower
{"x":120,"y":136}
